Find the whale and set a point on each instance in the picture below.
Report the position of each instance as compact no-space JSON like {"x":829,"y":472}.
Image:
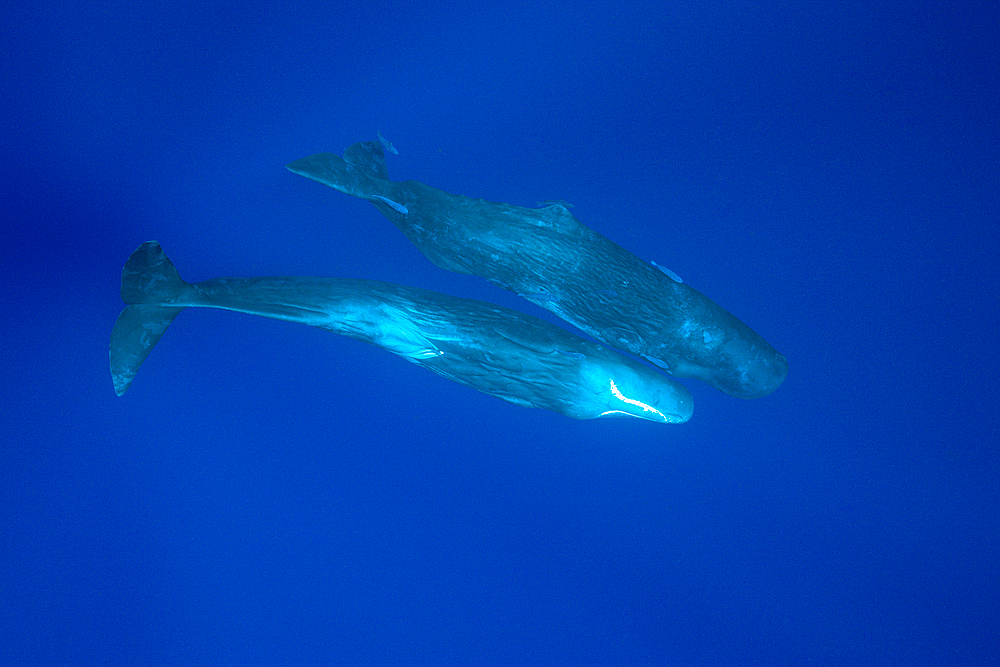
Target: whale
{"x":550,"y":258}
{"x":501,"y":352}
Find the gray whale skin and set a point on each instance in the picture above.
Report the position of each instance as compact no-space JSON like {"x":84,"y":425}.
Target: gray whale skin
{"x":550,"y":258}
{"x":501,"y":352}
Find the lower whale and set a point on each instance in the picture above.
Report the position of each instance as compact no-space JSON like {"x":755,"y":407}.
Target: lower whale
{"x":552,"y":259}
{"x":501,"y":352}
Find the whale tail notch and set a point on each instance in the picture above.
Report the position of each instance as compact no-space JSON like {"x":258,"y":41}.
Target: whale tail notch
{"x":150,"y":283}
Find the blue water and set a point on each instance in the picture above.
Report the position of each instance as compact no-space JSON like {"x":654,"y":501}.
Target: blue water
{"x":269,"y":493}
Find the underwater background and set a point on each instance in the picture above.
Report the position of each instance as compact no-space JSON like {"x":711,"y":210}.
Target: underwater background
{"x":270,"y":493}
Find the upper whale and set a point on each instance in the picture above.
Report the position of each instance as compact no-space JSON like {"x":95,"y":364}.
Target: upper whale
{"x":552,"y":259}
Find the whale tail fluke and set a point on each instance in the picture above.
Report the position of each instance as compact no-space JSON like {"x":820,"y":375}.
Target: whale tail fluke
{"x":150,"y":283}
{"x":368,"y":156}
{"x":359,"y":173}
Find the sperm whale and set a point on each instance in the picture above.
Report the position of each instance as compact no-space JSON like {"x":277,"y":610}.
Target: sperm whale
{"x":501,"y":352}
{"x":553,"y":260}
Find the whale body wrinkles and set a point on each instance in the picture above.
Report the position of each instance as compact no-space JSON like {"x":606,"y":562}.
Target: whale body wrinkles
{"x":552,"y":259}
{"x":501,"y":352}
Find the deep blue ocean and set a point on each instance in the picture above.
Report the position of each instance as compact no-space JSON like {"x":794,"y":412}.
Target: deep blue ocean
{"x":268,"y":493}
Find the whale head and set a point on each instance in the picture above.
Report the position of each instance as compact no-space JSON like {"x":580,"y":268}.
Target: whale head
{"x":621,"y":389}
